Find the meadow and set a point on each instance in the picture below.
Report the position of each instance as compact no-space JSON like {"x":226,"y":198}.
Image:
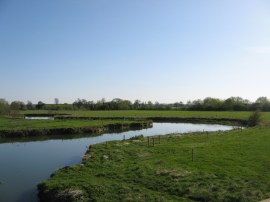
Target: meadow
{"x":154,"y":113}
{"x":216,"y":166}
{"x":149,"y":113}
{"x":20,"y":127}
{"x":25,"y":124}
{"x":84,"y":119}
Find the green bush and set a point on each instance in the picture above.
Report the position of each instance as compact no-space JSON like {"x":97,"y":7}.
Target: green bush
{"x":254,"y":118}
{"x":139,"y":137}
{"x":4,"y":107}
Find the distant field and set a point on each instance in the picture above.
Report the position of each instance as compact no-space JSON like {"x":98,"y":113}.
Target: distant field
{"x":23,"y":124}
{"x":148,"y":113}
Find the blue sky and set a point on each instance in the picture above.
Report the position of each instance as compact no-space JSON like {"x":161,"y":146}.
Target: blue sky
{"x":165,"y":51}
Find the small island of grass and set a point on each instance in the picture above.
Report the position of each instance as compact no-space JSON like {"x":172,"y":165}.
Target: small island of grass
{"x":19,"y":127}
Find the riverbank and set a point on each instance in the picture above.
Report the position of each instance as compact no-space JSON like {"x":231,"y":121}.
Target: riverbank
{"x":216,"y":166}
{"x":10,"y":127}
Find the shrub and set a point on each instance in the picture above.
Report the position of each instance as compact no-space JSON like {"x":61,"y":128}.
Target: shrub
{"x":254,"y":118}
{"x":4,"y":107}
{"x":139,"y":137}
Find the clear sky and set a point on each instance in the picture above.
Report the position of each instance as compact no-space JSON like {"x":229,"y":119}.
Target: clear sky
{"x":157,"y":50}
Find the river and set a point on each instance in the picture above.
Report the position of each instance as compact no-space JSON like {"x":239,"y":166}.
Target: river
{"x":24,"y":164}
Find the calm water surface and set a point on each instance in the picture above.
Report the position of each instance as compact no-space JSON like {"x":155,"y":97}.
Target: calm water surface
{"x":40,"y":117}
{"x":24,"y":164}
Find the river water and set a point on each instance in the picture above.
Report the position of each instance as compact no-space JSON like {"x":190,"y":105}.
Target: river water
{"x":24,"y":164}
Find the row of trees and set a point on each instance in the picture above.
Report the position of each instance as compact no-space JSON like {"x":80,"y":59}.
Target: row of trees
{"x":5,"y":107}
{"x":207,"y":104}
{"x":119,"y":104}
{"x":230,"y":104}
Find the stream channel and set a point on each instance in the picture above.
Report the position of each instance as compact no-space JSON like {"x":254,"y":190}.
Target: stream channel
{"x":23,"y":164}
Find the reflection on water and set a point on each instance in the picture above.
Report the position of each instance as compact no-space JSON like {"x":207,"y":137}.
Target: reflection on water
{"x":25,"y":164}
{"x":40,"y":117}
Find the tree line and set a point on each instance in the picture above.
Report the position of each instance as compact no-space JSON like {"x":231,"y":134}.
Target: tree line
{"x":207,"y":104}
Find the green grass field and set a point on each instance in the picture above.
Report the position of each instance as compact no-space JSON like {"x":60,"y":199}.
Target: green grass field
{"x":226,"y":166}
{"x":150,"y":113}
{"x":21,"y":128}
{"x":23,"y":124}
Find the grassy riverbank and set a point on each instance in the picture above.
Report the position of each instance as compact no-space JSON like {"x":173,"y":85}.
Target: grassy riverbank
{"x":18,"y":127}
{"x":226,"y":166}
